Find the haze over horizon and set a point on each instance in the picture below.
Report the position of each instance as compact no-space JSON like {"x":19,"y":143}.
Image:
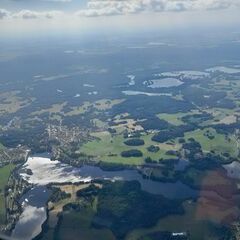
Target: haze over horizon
{"x":120,"y":119}
{"x":25,"y":16}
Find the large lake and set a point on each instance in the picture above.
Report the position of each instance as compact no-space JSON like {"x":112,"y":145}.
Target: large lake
{"x":45,"y":171}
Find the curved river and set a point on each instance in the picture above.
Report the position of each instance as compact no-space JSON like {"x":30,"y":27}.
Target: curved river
{"x":44,"y":171}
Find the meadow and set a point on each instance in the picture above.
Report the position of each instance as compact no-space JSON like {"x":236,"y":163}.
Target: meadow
{"x":108,"y":148}
{"x":210,"y":140}
{"x":4,"y":176}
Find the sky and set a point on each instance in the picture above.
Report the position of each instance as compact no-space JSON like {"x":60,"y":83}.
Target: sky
{"x":18,"y":16}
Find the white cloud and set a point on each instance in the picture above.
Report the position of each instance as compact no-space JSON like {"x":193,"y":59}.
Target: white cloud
{"x":96,"y":8}
{"x":53,"y":14}
{"x":58,"y":1}
{"x":61,"y":1}
{"x":26,"y":14}
{"x":123,"y":7}
{"x":4,"y":13}
{"x":29,"y":14}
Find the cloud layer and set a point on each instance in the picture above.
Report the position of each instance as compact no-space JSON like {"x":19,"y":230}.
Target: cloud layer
{"x":123,"y":7}
{"x":29,"y":14}
{"x":4,"y":13}
{"x":95,"y":8}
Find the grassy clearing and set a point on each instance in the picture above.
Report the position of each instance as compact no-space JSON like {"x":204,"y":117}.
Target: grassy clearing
{"x":1,"y":146}
{"x":4,"y":175}
{"x":129,"y":124}
{"x":56,"y":208}
{"x":79,"y":109}
{"x":221,"y":115}
{"x":98,"y":123}
{"x":175,"y":119}
{"x":229,"y":85}
{"x":55,"y":108}
{"x":101,"y":105}
{"x":10,"y":102}
{"x":105,"y":104}
{"x":228,"y":120}
{"x":108,"y":148}
{"x":220,"y":144}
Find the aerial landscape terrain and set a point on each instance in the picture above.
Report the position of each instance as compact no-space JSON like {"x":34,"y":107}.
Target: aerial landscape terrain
{"x":119,"y":134}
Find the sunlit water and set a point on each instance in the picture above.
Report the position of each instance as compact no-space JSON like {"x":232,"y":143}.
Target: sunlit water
{"x":44,"y":171}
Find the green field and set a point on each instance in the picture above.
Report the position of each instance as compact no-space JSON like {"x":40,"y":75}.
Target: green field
{"x":1,"y":146}
{"x":108,"y":148}
{"x":176,"y":118}
{"x":221,"y":116}
{"x":220,"y":144}
{"x":11,"y":102}
{"x":4,"y":175}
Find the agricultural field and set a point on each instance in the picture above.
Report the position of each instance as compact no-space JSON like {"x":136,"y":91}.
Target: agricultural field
{"x":126,"y":124}
{"x":222,"y":116}
{"x":11,"y":102}
{"x":210,"y":140}
{"x":99,"y":124}
{"x":108,"y":148}
{"x":55,"y":108}
{"x":78,"y":109}
{"x":1,"y":146}
{"x":105,"y":104}
{"x":100,"y":105}
{"x":176,"y":118}
{"x":4,"y":175}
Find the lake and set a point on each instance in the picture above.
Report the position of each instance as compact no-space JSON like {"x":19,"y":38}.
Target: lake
{"x":34,"y":213}
{"x":163,"y":83}
{"x":44,"y":171}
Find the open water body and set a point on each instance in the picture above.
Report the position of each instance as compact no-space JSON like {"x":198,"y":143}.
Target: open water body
{"x":45,"y":171}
